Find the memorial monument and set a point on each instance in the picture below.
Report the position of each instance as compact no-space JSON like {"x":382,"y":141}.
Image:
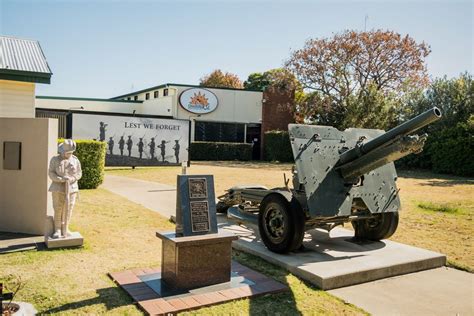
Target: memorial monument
{"x":196,"y":254}
{"x":64,"y":172}
{"x":196,"y":266}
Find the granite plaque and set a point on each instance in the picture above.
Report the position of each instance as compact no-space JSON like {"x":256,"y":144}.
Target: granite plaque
{"x":195,"y":205}
{"x":197,"y":188}
{"x":199,"y":216}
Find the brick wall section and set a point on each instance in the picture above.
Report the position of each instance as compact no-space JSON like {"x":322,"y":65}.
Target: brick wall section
{"x":277,"y":112}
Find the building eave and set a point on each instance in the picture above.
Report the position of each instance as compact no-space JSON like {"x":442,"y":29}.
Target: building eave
{"x":181,"y":85}
{"x":86,"y":99}
{"x":25,"y":76}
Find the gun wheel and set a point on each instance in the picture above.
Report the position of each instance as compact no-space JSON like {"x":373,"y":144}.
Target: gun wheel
{"x":381,"y":226}
{"x":281,"y":226}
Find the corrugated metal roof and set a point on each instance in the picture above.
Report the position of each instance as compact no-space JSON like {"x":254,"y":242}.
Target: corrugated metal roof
{"x":22,"y":55}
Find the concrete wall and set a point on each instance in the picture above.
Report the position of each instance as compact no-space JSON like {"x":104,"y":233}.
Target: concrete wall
{"x":156,"y":107}
{"x":24,"y":200}
{"x":17,"y":99}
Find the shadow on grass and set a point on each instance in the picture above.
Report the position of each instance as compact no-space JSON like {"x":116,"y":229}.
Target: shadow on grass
{"x":12,"y":242}
{"x":254,"y":164}
{"x":282,"y":303}
{"x":112,"y":297}
{"x":434,"y":179}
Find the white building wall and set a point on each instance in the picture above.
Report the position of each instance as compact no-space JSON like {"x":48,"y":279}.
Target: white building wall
{"x":17,"y":99}
{"x":235,"y":106}
{"x":142,"y":96}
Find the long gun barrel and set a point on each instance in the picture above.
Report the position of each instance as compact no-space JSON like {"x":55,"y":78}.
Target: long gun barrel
{"x":387,"y":147}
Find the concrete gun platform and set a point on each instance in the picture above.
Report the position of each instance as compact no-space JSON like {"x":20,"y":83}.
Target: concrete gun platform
{"x":336,"y":260}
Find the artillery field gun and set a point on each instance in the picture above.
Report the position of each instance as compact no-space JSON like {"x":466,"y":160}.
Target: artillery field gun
{"x":338,"y":177}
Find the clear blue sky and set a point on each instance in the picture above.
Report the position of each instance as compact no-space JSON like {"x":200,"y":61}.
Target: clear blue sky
{"x":104,"y":48}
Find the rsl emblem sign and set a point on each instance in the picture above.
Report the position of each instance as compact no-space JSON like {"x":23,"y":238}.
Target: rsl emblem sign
{"x":198,"y":100}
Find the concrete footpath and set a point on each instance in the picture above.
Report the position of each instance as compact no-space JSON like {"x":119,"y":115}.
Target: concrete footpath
{"x":158,"y":197}
{"x":440,"y":291}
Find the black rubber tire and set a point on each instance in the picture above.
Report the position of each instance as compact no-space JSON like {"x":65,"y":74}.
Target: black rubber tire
{"x":221,"y":207}
{"x":293,"y":220}
{"x":383,"y":227}
{"x":299,"y":222}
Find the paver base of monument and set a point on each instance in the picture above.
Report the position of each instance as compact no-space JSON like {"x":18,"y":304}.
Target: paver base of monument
{"x":196,"y":261}
{"x":75,"y":240}
{"x":147,"y":288}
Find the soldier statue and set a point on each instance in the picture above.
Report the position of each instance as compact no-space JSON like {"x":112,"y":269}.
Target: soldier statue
{"x":65,"y":172}
{"x":129,"y":145}
{"x":121,"y":145}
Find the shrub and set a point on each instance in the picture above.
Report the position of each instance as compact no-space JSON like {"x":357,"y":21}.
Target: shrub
{"x":449,"y":150}
{"x":91,"y":154}
{"x":220,"y":151}
{"x":278,"y":146}
{"x":449,"y":147}
{"x":453,"y":150}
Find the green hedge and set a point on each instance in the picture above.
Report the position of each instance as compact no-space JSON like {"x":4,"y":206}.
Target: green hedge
{"x":91,"y":154}
{"x":449,"y":150}
{"x":278,"y":146}
{"x":453,"y":150}
{"x":220,"y":151}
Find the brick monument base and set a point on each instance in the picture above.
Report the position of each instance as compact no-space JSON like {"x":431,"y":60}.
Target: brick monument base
{"x":196,"y":261}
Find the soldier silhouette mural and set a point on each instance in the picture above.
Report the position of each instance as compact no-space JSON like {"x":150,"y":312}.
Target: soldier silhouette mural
{"x":121,"y":145}
{"x":129,"y":145}
{"x":111,"y":145}
{"x":176,"y":150}
{"x":152,"y":145}
{"x":162,"y":146}
{"x":140,"y":147}
{"x":102,"y":129}
{"x":135,"y":141}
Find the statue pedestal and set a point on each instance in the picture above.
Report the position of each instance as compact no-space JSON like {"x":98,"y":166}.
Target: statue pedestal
{"x":196,"y":261}
{"x":75,"y":240}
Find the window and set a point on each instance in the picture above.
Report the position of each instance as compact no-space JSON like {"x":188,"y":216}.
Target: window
{"x":128,"y":98}
{"x":135,"y":97}
{"x":155,"y":94}
{"x":147,"y":96}
{"x":165,"y":92}
{"x":219,"y":132}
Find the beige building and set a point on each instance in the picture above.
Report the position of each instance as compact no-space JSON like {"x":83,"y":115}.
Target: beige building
{"x":236,"y":117}
{"x":214,"y":114}
{"x":26,"y":143}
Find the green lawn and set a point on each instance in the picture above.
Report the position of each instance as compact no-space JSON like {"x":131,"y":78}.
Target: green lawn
{"x":120,"y":235}
{"x":437,"y":210}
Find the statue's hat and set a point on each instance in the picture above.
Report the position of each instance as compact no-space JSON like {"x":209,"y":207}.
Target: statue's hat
{"x":67,"y":146}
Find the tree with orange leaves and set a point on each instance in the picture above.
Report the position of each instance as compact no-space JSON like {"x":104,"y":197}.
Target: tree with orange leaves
{"x":219,"y":79}
{"x":359,"y":78}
